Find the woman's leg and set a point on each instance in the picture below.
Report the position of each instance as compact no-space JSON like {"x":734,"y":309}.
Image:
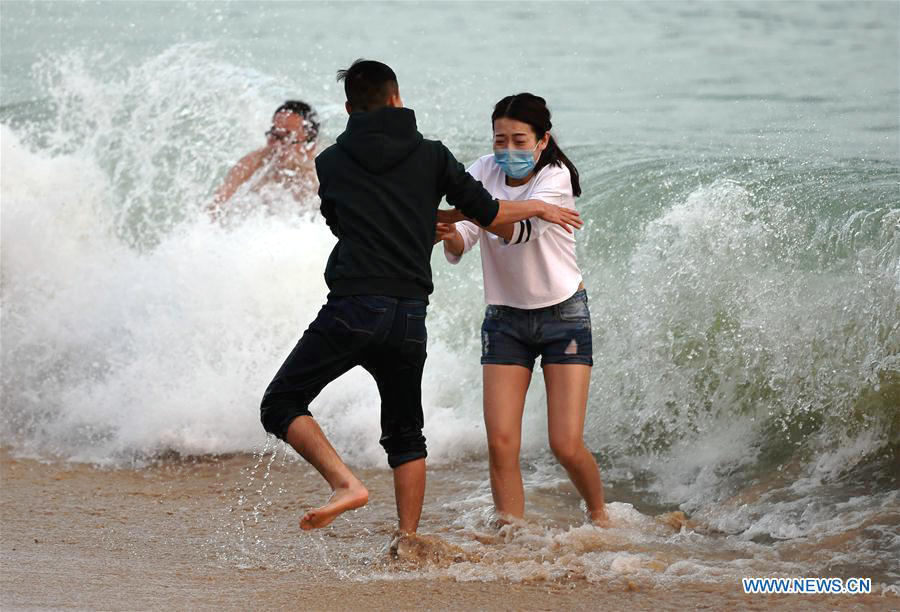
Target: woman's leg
{"x":505,"y":387}
{"x":567,"y":394}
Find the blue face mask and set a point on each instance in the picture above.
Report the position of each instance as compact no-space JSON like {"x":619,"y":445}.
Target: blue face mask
{"x":515,"y":163}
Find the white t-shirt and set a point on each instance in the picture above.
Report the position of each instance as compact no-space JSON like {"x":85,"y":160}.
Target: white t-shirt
{"x":537,"y":267}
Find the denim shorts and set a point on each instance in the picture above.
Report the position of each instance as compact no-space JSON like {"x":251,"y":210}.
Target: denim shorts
{"x":559,"y":334}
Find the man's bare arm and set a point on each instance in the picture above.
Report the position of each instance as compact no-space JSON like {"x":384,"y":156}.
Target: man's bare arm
{"x":504,"y":231}
{"x":511,"y":212}
{"x":450,"y":216}
{"x":237,"y":176}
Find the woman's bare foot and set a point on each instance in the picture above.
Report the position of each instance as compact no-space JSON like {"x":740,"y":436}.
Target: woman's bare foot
{"x":353,"y":496}
{"x":599,"y":518}
{"x":676,"y":520}
{"x":499,"y":520}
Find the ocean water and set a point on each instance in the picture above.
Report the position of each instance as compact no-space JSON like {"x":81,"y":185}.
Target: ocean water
{"x":741,"y":173}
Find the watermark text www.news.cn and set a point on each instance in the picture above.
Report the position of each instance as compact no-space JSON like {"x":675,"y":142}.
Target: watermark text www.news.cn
{"x":852,"y":586}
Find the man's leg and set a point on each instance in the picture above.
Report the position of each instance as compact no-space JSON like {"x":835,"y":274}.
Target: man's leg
{"x":328,"y":349}
{"x":307,"y":438}
{"x":397,"y":366}
{"x":409,"y":492}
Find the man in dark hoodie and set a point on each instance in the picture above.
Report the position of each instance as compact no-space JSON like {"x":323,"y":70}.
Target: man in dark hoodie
{"x":380,"y":187}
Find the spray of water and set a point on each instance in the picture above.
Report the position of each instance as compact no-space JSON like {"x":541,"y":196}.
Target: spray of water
{"x":745,"y":312}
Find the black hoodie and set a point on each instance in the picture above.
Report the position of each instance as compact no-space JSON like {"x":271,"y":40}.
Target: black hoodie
{"x":380,"y":186}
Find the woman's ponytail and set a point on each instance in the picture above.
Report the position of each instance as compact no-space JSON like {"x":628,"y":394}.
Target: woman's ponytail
{"x":554,"y":156}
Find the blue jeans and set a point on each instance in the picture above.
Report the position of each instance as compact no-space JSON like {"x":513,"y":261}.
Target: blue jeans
{"x":387,"y":337}
{"x":559,"y":334}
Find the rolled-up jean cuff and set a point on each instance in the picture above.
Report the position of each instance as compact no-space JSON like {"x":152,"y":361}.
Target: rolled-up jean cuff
{"x":399,"y":459}
{"x":277,"y":416}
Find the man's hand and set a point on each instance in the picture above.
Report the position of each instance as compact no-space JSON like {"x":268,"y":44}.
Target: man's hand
{"x":567,"y":218}
{"x":449,"y":216}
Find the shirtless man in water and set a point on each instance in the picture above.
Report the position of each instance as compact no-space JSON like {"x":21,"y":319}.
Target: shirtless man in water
{"x":286,"y":159}
{"x":380,"y":186}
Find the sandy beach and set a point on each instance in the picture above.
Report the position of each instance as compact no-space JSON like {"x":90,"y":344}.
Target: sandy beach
{"x":75,"y":536}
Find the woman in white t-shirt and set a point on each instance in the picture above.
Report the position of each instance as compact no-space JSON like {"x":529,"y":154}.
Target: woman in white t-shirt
{"x":536,"y":305}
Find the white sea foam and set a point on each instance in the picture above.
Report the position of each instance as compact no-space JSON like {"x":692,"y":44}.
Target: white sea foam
{"x":112,"y":353}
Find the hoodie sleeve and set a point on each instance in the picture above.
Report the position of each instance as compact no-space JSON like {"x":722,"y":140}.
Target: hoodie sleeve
{"x":327,"y":205}
{"x":463,"y":191}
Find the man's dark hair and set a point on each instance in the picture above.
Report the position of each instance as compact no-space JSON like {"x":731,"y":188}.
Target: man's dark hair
{"x":368,"y":84}
{"x":310,"y":118}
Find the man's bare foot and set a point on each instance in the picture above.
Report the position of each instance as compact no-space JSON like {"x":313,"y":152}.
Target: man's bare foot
{"x":422,"y":549}
{"x":344,"y":498}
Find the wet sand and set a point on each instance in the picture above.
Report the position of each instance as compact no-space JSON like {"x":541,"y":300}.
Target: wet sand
{"x":184,"y":534}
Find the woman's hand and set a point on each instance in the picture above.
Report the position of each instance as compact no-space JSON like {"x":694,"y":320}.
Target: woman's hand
{"x":445,"y":231}
{"x":564,"y":217}
{"x":452,"y":239}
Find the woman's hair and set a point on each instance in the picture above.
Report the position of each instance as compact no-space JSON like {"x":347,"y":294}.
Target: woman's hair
{"x":531,"y":109}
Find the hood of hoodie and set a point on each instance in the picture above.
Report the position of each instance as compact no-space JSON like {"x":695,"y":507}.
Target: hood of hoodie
{"x":380,"y":139}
